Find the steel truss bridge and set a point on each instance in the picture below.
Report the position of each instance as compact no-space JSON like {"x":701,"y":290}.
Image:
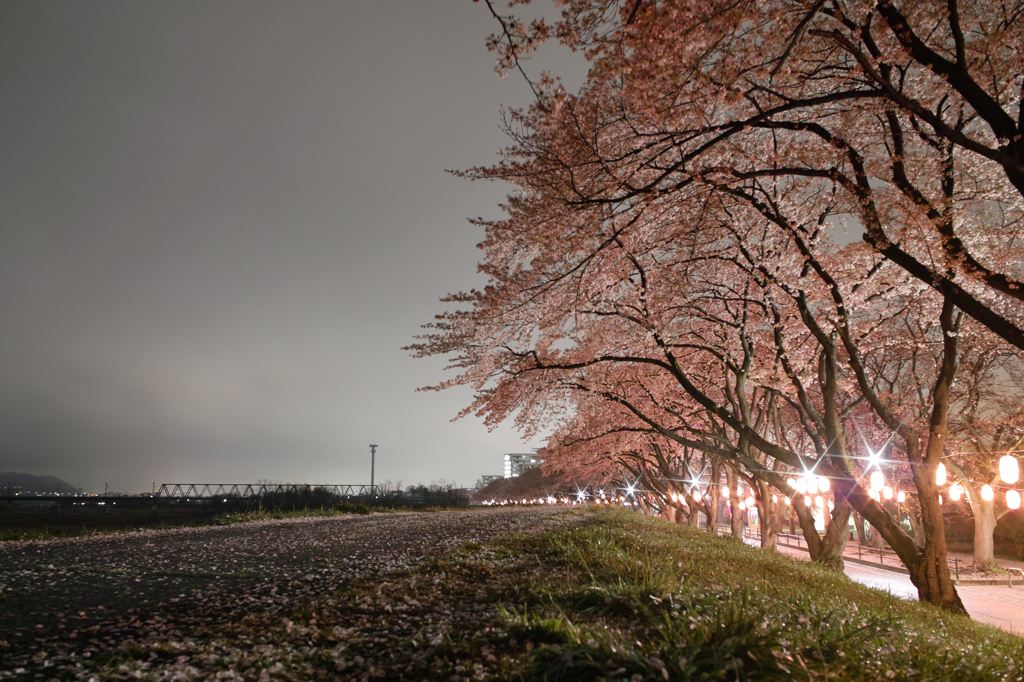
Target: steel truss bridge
{"x":199,"y":491}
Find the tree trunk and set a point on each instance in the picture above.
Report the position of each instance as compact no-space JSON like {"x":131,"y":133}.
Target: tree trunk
{"x":736,"y":517}
{"x":766,"y":515}
{"x":984,"y":527}
{"x":858,"y":523}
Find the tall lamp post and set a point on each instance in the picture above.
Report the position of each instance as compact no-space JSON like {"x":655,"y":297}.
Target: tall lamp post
{"x":373,"y":457}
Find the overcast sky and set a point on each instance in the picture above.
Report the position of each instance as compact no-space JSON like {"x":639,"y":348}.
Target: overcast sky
{"x":221,"y":221}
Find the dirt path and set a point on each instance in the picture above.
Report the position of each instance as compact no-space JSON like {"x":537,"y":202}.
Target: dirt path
{"x":68,"y":598}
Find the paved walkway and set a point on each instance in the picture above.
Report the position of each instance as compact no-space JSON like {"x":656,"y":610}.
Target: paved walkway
{"x":996,"y":605}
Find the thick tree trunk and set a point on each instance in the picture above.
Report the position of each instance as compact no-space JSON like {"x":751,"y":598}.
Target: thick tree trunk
{"x":984,"y":528}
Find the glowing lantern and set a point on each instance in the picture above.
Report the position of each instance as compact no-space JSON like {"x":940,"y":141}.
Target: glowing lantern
{"x":877,"y":480}
{"x":675,"y":497}
{"x":801,"y":485}
{"x":873,"y":494}
{"x":1013,"y":499}
{"x":901,"y":497}
{"x":791,"y":482}
{"x":788,"y":501}
{"x":742,"y":506}
{"x":955,"y":491}
{"x":1009,"y":470}
{"x":751,"y":501}
{"x":887,"y":492}
{"x":987,"y":493}
{"x":820,"y":501}
{"x":697,"y":495}
{"x":807,"y":501}
{"x":823,"y":484}
{"x":725,"y":491}
{"x":811,"y":484}
{"x":940,"y":474}
{"x":775,"y":499}
{"x":940,"y":499}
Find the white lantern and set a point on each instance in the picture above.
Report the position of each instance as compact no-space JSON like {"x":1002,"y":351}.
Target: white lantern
{"x":811,"y":484}
{"x":873,"y":494}
{"x":823,"y":484}
{"x":791,"y":482}
{"x":675,"y":497}
{"x":725,"y":491}
{"x":955,"y":492}
{"x":1013,"y":499}
{"x":887,"y":492}
{"x":940,"y":474}
{"x":742,"y":506}
{"x":696,"y":494}
{"x":987,"y":493}
{"x":1009,"y":469}
{"x":901,"y":497}
{"x":775,"y":499}
{"x":877,"y":480}
{"x":788,"y":501}
{"x":807,"y":501}
{"x":940,"y":500}
{"x":820,"y":501}
{"x":801,"y":485}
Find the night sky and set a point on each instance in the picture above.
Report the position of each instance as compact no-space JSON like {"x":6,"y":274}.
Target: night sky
{"x":220,"y":222}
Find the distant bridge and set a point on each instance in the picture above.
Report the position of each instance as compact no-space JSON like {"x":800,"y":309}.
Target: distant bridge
{"x":199,"y":491}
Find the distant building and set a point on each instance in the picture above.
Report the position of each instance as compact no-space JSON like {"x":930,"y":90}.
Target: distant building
{"x":516,"y":463}
{"x":486,"y":480}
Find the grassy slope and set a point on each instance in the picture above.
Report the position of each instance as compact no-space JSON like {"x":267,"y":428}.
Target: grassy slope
{"x":635,"y":596}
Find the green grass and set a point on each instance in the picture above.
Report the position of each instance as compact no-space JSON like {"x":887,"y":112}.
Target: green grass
{"x":626,"y":597}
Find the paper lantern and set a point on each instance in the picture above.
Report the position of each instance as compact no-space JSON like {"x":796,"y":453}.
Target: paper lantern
{"x":901,"y":497}
{"x":877,"y":480}
{"x":824,"y":485}
{"x":1009,"y":469}
{"x":987,"y":493}
{"x":1013,"y":499}
{"x":887,"y":492}
{"x":955,"y":492}
{"x":940,"y":474}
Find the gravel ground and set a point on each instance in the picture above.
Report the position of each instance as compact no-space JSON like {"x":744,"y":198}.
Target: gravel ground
{"x":144,"y":596}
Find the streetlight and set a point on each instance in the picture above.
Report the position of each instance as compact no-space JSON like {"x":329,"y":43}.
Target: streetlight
{"x":373,"y":457}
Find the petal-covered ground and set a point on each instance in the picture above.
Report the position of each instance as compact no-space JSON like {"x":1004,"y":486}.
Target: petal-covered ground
{"x":239,"y":601}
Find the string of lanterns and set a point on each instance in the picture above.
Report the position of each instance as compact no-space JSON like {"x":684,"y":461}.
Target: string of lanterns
{"x":1009,"y":472}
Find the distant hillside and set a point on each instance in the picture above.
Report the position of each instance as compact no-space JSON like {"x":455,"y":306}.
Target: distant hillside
{"x":32,"y":484}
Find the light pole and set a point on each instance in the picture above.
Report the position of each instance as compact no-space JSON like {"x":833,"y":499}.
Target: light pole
{"x":373,"y":457}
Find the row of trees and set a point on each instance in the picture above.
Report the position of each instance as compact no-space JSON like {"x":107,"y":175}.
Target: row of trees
{"x":672,"y":288}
